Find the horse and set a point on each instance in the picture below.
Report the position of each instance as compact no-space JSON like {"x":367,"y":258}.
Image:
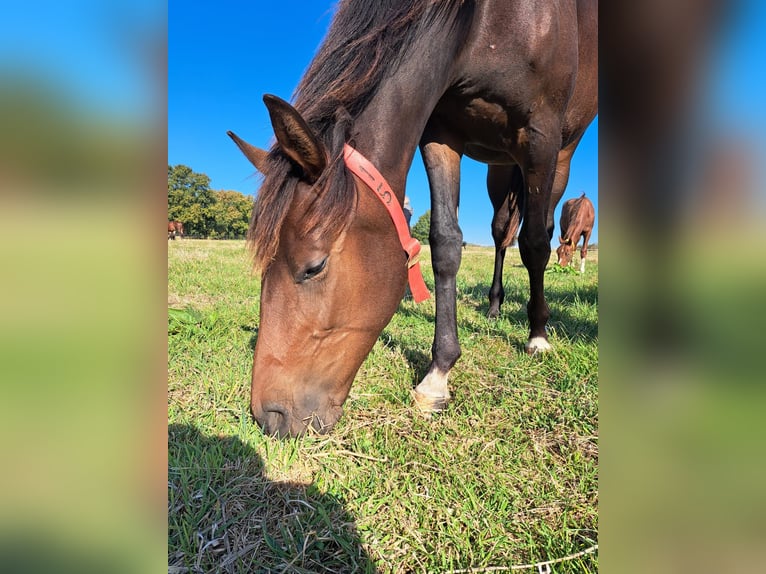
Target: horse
{"x":577,"y":218}
{"x":509,"y":83}
{"x":175,"y":228}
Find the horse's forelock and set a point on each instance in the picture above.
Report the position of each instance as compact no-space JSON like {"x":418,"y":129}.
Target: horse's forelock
{"x":327,"y":214}
{"x":270,"y":209}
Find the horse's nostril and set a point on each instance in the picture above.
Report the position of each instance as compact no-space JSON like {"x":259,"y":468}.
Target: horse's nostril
{"x":272,"y":419}
{"x":272,"y":422}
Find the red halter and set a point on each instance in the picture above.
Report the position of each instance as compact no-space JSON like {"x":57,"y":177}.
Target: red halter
{"x":364,"y":170}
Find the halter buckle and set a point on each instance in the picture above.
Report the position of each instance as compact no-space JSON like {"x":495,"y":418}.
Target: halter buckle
{"x":413,"y":252}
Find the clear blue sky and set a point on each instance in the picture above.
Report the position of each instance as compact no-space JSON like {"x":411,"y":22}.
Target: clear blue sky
{"x":223,"y":57}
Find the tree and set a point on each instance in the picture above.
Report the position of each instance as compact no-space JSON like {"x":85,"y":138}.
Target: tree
{"x":189,"y":199}
{"x":422,"y":228}
{"x":203,"y":211}
{"x":230,"y":214}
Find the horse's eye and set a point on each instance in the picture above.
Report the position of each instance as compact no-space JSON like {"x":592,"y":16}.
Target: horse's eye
{"x":313,"y":270}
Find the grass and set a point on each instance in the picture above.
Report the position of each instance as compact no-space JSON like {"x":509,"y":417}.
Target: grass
{"x":508,"y":475}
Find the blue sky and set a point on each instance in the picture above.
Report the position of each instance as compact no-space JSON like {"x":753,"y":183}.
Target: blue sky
{"x":223,"y":58}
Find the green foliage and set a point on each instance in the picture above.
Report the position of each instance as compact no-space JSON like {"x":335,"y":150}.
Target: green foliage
{"x":55,"y":144}
{"x":560,"y":269}
{"x":230,"y":214}
{"x":203,"y":211}
{"x":421,"y":229}
{"x":179,"y":319}
{"x":189,"y":197}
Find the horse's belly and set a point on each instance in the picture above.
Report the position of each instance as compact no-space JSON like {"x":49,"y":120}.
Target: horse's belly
{"x":488,"y":155}
{"x":491,"y":132}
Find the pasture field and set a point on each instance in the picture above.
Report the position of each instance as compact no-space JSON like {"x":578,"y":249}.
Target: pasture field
{"x":508,"y":475}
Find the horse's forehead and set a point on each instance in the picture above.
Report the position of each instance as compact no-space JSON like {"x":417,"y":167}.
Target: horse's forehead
{"x":302,"y":200}
{"x":297,"y":240}
{"x":296,"y":221}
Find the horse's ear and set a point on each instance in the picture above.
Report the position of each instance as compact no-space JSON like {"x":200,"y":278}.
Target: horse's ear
{"x":296,"y":138}
{"x":257,"y":156}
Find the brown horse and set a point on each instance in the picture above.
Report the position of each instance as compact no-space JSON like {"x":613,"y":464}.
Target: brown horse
{"x":577,"y":218}
{"x":510,"y":83}
{"x":175,"y":229}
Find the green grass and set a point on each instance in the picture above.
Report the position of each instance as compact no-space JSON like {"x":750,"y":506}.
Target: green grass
{"x":508,"y":475}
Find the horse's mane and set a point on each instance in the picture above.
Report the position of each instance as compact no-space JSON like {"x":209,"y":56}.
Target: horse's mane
{"x":365,"y":43}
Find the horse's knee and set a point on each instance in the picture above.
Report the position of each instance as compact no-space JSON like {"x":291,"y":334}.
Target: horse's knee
{"x":450,"y":237}
{"x":446,"y":250}
{"x":534,"y":251}
{"x":497,"y":293}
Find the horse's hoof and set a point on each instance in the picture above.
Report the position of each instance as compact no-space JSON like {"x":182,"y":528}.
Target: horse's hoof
{"x":428,"y":405}
{"x":537,"y":345}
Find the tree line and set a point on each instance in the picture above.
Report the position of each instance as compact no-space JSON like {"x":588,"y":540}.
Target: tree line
{"x":422,"y":228}
{"x":205,"y":212}
{"x":223,"y":214}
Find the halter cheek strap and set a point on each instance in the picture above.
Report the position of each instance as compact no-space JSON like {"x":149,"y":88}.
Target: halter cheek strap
{"x":364,"y":170}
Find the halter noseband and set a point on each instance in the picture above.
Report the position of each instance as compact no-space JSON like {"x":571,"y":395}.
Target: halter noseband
{"x":364,"y":170}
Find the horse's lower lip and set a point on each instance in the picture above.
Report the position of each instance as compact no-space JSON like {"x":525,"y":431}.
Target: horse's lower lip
{"x":325,"y":424}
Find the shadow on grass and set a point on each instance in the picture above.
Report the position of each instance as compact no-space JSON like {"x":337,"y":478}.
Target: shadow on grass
{"x":560,"y":299}
{"x":514,"y":310}
{"x":254,"y":337}
{"x":225,"y":515}
{"x":414,"y":354}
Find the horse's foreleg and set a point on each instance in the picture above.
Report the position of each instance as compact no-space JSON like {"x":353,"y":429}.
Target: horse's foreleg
{"x":584,"y":250}
{"x":534,"y":241}
{"x":442,"y":163}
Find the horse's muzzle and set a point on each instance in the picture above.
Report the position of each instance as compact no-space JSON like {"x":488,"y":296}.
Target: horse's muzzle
{"x":278,"y":421}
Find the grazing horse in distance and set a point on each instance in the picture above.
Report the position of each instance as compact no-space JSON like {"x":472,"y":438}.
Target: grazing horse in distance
{"x":175,"y":229}
{"x":508,"y":83}
{"x":577,"y":219}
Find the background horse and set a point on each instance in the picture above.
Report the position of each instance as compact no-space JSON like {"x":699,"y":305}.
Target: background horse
{"x":512,"y":84}
{"x":175,"y":228}
{"x":577,"y":218}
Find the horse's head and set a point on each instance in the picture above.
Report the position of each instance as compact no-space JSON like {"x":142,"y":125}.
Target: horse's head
{"x":331,"y":280}
{"x":565,"y":251}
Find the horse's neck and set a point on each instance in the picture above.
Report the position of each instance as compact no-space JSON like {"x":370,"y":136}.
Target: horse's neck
{"x":388,"y":131}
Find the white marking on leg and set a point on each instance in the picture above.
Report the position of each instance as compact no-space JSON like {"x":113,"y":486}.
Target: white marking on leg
{"x":582,"y":265}
{"x":432,"y":394}
{"x":434,"y":384}
{"x":537,"y":345}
